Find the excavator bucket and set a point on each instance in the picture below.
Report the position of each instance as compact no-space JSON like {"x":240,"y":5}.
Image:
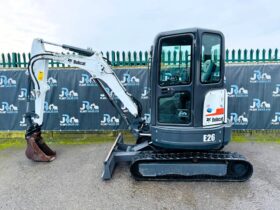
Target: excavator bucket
{"x":37,"y":149}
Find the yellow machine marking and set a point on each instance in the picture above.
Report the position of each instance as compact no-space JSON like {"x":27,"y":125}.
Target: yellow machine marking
{"x":40,"y":75}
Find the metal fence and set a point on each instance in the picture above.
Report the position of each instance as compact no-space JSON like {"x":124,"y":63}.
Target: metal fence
{"x":141,"y":58}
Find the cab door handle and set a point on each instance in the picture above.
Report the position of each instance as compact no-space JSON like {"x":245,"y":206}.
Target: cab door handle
{"x":165,"y":90}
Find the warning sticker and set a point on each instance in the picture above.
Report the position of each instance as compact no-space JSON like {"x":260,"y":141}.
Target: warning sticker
{"x":40,"y":75}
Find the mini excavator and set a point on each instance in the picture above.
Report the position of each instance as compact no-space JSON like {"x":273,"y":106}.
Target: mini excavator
{"x":189,"y":124}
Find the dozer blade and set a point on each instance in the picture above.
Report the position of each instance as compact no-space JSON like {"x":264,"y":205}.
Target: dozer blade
{"x":191,"y":166}
{"x":37,"y":149}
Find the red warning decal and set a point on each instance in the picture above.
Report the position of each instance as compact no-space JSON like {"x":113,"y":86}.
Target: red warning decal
{"x":219,"y":111}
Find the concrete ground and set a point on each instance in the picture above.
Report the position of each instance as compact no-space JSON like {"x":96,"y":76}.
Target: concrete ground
{"x":73,"y":182}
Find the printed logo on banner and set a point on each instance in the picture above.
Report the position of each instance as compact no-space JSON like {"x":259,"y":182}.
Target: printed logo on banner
{"x":238,"y":120}
{"x":86,"y":80}
{"x":147,"y":118}
{"x":276,"y":92}
{"x":110,"y":92}
{"x":7,"y":108}
{"x":109,"y":121}
{"x":129,"y":80}
{"x":22,"y":123}
{"x":145,"y":94}
{"x":52,"y":82}
{"x":68,"y":95}
{"x":276,"y":119}
{"x":66,"y":120}
{"x":88,"y":107}
{"x":7,"y":82}
{"x":124,"y":108}
{"x":23,"y":95}
{"x":235,"y":91}
{"x":50,"y":108}
{"x":260,"y":77}
{"x":259,"y":105}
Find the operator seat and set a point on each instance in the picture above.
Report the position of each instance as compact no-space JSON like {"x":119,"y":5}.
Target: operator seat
{"x":208,"y":68}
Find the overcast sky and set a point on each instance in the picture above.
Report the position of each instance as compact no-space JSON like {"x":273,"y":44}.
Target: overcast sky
{"x":132,"y":25}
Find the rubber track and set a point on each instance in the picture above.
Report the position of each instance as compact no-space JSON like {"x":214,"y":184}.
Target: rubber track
{"x":197,"y":157}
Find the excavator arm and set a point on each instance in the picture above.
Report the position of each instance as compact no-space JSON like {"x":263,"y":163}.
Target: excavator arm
{"x":88,"y":60}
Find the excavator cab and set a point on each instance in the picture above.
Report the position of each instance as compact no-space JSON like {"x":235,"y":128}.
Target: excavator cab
{"x":189,"y":102}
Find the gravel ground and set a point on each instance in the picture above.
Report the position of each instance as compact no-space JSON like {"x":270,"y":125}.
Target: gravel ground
{"x":73,"y":181}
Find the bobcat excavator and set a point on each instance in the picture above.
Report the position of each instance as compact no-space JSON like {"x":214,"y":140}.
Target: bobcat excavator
{"x":189,"y":124}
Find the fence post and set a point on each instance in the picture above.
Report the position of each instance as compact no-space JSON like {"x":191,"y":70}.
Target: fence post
{"x":135,"y":58}
{"x":162,"y":57}
{"x":3,"y":60}
{"x":129,"y":58}
{"x":14,"y":59}
{"x":257,"y":55}
{"x":24,"y":60}
{"x":270,"y":54}
{"x":239,"y":55}
{"x":123,"y":58}
{"x":18,"y":60}
{"x":187,"y":58}
{"x":146,"y":58}
{"x":118,"y":58}
{"x":233,"y":55}
{"x":245,"y":55}
{"x":113,"y":58}
{"x":9,"y":60}
{"x":227,"y":54}
{"x":174,"y":57}
{"x":180,"y":57}
{"x":168,"y":57}
{"x":108,"y":56}
{"x":251,"y":55}
{"x":263,"y":55}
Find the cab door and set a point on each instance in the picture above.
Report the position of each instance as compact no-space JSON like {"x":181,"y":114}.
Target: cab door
{"x":174,"y":86}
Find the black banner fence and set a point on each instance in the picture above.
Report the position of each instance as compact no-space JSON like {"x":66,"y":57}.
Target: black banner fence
{"x":76,"y":103}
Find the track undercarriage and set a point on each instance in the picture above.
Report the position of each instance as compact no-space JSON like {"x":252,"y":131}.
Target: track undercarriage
{"x":149,"y":163}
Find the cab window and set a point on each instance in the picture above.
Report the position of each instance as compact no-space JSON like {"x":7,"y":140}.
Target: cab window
{"x":211,"y":58}
{"x":175,"y":60}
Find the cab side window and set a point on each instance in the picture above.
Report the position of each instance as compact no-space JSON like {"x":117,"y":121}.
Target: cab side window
{"x":210,"y":58}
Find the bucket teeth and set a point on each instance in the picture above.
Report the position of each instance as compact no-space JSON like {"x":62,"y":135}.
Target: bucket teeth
{"x":37,"y":149}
